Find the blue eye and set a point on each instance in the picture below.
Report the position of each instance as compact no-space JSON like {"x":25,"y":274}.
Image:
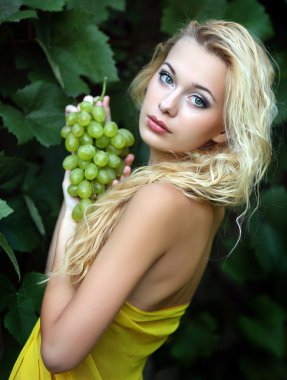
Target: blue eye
{"x":165,"y":77}
{"x":198,"y":101}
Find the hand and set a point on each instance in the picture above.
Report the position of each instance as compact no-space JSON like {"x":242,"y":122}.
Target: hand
{"x":127,"y":169}
{"x":70,"y":202}
{"x":106,"y":103}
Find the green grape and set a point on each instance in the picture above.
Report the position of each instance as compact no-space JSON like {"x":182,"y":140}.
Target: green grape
{"x":98,"y":187}
{"x":120,"y":169}
{"x":103,"y":176}
{"x":83,"y":163}
{"x":86,"y":106}
{"x":102,"y":142}
{"x":91,"y":171}
{"x":71,"y":143}
{"x":110,"y":129}
{"x":77,"y":213}
{"x":86,"y":152}
{"x":76,"y":176}
{"x":118,"y":141}
{"x":72,"y":190}
{"x":114,"y":161}
{"x":101,"y":158}
{"x":84,"y":204}
{"x":86,"y":139}
{"x":95,"y":129}
{"x":99,"y":114}
{"x":85,"y":189}
{"x":130,"y":140}
{"x":70,"y":162}
{"x":112,"y":149}
{"x":78,"y":130}
{"x":84,"y":118}
{"x":111,"y":174}
{"x":71,"y":118}
{"x":65,"y":131}
{"x":124,"y":152}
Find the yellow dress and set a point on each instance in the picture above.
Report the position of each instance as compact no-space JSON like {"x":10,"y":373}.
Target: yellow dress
{"x":120,"y":354}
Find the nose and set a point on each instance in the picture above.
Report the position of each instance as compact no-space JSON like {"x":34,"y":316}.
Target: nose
{"x":169,"y":104}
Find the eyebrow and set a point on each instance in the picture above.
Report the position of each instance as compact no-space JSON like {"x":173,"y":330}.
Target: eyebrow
{"x":196,"y":85}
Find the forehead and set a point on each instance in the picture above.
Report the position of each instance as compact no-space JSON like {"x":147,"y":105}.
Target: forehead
{"x":193,"y":61}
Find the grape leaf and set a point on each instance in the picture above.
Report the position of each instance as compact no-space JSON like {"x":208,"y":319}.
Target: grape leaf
{"x":5,"y":210}
{"x":252,"y":15}
{"x":51,"y":5}
{"x":34,"y":213}
{"x":6,"y":291}
{"x":76,"y":48}
{"x":33,"y":289}
{"x":24,"y":307}
{"x":42,"y":105}
{"x":12,"y":173}
{"x":20,"y":319}
{"x":177,"y":14}
{"x":8,"y":8}
{"x":6,"y":247}
{"x":19,"y":229}
{"x":99,"y":9}
{"x":21,"y":15}
{"x":269,"y":316}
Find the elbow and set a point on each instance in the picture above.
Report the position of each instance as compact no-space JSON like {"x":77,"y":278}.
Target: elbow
{"x":54,"y":361}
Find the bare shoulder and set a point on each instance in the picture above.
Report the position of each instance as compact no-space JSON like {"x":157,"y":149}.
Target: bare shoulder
{"x":164,"y":200}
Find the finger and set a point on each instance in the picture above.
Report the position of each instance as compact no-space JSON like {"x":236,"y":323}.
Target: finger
{"x":106,"y":104}
{"x":129,"y":159}
{"x":127,"y":171}
{"x":115,"y":182}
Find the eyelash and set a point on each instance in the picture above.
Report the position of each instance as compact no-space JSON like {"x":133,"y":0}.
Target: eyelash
{"x":165,"y":74}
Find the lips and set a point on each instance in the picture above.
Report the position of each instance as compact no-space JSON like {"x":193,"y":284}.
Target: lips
{"x":159,"y":125}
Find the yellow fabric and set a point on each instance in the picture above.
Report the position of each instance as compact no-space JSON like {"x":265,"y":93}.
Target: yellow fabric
{"x":120,"y":354}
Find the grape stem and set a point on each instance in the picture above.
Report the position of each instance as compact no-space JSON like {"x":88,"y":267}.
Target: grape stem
{"x":104,"y":89}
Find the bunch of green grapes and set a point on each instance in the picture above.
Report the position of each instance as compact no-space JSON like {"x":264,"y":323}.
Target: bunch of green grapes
{"x":97,"y":150}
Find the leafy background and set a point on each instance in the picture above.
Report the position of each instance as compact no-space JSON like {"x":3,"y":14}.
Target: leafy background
{"x":54,"y":52}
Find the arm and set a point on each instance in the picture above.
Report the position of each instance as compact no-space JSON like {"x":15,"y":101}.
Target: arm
{"x":73,"y":320}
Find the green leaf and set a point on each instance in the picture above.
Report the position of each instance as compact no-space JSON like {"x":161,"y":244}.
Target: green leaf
{"x":89,"y":55}
{"x":5,"y":210}
{"x":50,"y":5}
{"x":252,"y":15}
{"x":20,"y":319}
{"x":34,"y":213}
{"x":196,"y":339}
{"x":178,"y":13}
{"x":19,"y":229}
{"x":7,"y":290}
{"x":22,"y":15}
{"x":25,"y":306}
{"x":269,"y":317}
{"x":12,"y":173}
{"x":8,"y":8}
{"x":98,"y":9}
{"x":6,"y":248}
{"x":42,"y":115}
{"x":33,"y":289}
{"x":268,"y":226}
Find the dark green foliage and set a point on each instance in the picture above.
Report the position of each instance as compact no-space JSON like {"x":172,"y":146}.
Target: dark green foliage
{"x":54,"y":52}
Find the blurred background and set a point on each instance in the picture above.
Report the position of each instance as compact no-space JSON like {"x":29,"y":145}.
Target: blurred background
{"x":52,"y":54}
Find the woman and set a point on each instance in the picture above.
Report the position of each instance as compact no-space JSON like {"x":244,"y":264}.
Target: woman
{"x":129,"y":272}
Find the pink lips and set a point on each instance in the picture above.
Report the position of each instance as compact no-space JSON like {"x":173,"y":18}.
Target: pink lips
{"x":157,"y":125}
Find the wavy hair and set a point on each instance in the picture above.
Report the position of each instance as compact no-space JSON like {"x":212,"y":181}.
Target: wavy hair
{"x":224,"y":175}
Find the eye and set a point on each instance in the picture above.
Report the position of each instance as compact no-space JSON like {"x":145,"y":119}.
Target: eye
{"x":198,"y":101}
{"x":165,"y":78}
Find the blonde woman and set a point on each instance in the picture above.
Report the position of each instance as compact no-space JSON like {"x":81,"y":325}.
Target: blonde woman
{"x":132,"y":267}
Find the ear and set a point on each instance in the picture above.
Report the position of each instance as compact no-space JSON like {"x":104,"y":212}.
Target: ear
{"x":220,"y":139}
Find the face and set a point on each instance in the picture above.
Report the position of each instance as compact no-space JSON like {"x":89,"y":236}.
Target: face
{"x":183,"y":105}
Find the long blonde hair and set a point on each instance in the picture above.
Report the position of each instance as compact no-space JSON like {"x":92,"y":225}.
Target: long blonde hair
{"x":224,"y":175}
